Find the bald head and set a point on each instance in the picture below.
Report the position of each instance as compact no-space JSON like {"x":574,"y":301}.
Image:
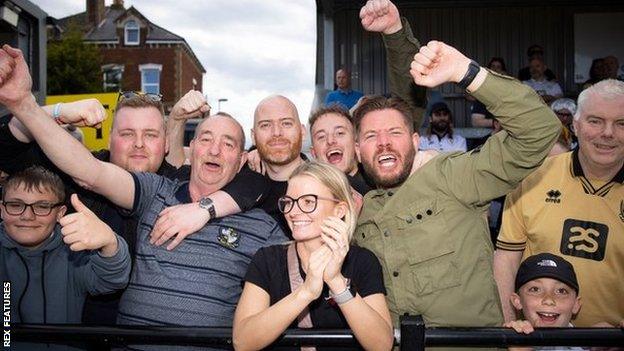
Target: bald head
{"x":275,"y":104}
{"x":343,"y":79}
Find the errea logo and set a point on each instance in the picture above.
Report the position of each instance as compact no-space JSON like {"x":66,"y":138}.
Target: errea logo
{"x":553,"y":196}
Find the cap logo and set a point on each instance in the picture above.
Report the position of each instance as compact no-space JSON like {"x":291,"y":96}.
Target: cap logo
{"x":547,"y":263}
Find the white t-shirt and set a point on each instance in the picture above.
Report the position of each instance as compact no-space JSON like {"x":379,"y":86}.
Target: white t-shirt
{"x":545,"y":87}
{"x":446,"y":144}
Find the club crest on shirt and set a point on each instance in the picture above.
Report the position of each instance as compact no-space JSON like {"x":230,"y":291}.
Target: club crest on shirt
{"x":229,"y":238}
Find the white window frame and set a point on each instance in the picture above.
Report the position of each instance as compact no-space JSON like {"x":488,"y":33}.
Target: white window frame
{"x":132,"y":25}
{"x":150,"y":66}
{"x":111,"y":67}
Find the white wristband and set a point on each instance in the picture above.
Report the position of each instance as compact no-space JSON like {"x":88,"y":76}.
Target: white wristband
{"x":56,"y":112}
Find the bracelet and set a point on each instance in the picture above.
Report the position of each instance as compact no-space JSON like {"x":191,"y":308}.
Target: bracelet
{"x":471,"y":74}
{"x":342,"y":297}
{"x":56,"y":112}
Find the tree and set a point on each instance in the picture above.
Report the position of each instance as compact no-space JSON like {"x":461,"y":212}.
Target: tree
{"x":73,"y":66}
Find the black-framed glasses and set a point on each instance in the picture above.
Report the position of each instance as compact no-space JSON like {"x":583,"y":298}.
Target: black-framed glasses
{"x":130,"y":94}
{"x":16,"y":208}
{"x":307,"y":203}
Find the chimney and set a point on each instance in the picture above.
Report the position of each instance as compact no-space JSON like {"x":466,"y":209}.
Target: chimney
{"x":118,"y":4}
{"x":95,"y":11}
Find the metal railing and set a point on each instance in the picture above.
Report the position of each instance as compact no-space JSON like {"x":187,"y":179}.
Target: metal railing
{"x":412,"y":335}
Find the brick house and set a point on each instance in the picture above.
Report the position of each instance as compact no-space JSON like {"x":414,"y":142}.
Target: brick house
{"x":136,"y":53}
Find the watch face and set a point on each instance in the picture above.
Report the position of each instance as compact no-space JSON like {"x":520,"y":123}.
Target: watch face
{"x":205,"y":202}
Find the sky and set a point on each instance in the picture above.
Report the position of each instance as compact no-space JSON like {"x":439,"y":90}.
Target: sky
{"x":249,"y":48}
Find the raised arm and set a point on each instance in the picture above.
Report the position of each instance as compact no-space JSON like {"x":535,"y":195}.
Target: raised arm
{"x":62,"y":149}
{"x":81,"y":113}
{"x":191,"y":105}
{"x":530,"y":128}
{"x":382,"y":16}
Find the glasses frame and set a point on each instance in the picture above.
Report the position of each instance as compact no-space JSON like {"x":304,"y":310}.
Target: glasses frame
{"x":32,"y":208}
{"x":293,"y":201}
{"x":131,"y":93}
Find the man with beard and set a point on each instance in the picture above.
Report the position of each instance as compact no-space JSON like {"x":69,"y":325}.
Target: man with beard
{"x":426,"y":221}
{"x":278,"y":135}
{"x":440,"y":136}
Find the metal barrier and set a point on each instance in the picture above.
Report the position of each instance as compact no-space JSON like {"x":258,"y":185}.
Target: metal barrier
{"x":412,"y":335}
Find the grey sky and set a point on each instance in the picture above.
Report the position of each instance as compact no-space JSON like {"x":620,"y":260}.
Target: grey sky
{"x":250,"y":48}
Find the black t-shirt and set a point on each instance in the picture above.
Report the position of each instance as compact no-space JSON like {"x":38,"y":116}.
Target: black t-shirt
{"x":479,"y":107}
{"x":269,"y":270}
{"x":360,"y":182}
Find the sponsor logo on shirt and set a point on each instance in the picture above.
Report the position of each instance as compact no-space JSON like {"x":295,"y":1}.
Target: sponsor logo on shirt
{"x":584,"y":239}
{"x":622,"y":210}
{"x":553,"y":196}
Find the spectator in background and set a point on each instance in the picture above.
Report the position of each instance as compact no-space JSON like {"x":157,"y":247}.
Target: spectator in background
{"x":597,"y":72}
{"x":534,"y":51}
{"x":548,"y":90}
{"x":343,"y":285}
{"x":480,"y":116}
{"x":439,"y":135}
{"x":565,"y":109}
{"x":343,"y":94}
{"x":613,"y":67}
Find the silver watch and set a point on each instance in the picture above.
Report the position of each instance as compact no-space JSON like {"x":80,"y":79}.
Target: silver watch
{"x":207,"y":204}
{"x":344,"y":296}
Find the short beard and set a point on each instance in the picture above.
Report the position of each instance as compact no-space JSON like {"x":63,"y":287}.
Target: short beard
{"x":399,"y":179}
{"x":441,"y":128}
{"x":268,"y":157}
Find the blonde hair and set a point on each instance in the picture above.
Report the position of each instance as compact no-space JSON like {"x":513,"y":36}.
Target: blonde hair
{"x":338,"y":185}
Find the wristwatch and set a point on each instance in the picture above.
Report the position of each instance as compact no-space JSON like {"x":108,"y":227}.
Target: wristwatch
{"x":471,"y":74}
{"x":207,"y":204}
{"x":344,"y":296}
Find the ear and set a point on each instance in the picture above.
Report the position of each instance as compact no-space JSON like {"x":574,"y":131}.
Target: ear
{"x":61,"y":212}
{"x":577,"y":305}
{"x":575,"y":124}
{"x":313,"y":152}
{"x":357,"y":152}
{"x":515,"y":301}
{"x":243,"y":160}
{"x":166,"y":144}
{"x":416,"y":140}
{"x":303,"y":131}
{"x":253,"y":137}
{"x":340,"y":210}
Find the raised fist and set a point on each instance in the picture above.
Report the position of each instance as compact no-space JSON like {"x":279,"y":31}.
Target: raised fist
{"x":191,"y":105}
{"x":438,"y":63}
{"x":380,"y":16}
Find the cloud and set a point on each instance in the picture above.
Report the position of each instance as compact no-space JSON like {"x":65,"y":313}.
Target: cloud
{"x":250,"y":48}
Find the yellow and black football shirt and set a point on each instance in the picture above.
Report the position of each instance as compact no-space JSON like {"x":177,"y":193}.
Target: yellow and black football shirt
{"x":557,"y":209}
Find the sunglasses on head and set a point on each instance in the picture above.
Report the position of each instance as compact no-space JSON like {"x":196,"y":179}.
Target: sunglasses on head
{"x":130,"y":94}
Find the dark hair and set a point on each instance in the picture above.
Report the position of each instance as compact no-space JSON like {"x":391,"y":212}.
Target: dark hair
{"x":497,"y":59}
{"x":379,"y":102}
{"x":333,"y":108}
{"x":36,"y":178}
{"x":534,"y":48}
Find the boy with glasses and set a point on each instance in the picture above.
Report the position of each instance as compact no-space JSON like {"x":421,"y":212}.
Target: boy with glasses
{"x":52,"y":267}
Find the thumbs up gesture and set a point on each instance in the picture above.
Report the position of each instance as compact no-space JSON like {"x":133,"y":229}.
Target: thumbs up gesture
{"x":83,"y":230}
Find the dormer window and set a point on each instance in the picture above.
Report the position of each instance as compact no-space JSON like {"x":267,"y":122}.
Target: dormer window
{"x":131,"y":31}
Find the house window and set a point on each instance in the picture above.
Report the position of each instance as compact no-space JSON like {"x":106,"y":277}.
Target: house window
{"x":131,"y":33}
{"x":111,"y":77}
{"x":150,"y":78}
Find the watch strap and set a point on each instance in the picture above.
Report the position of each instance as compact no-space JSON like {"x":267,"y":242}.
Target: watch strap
{"x":471,"y":74}
{"x":207,"y":204}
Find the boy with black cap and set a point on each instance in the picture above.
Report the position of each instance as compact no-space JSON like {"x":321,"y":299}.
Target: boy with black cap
{"x":546,"y":293}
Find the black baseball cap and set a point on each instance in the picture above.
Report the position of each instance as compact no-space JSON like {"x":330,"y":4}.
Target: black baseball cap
{"x":438,"y":106}
{"x":546,"y":265}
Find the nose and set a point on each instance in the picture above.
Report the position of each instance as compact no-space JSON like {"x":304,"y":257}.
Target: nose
{"x":608,"y":130}
{"x":28,"y":214}
{"x":214,"y":149}
{"x":382,"y":139}
{"x":138,"y":142}
{"x":331,"y":138}
{"x":548,"y":300}
{"x":276,"y":129}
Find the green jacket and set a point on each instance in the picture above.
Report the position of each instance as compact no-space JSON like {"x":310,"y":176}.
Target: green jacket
{"x":400,"y":50}
{"x":431,"y":234}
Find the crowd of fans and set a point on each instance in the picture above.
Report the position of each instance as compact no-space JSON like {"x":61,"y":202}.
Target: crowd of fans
{"x":383,"y":223}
